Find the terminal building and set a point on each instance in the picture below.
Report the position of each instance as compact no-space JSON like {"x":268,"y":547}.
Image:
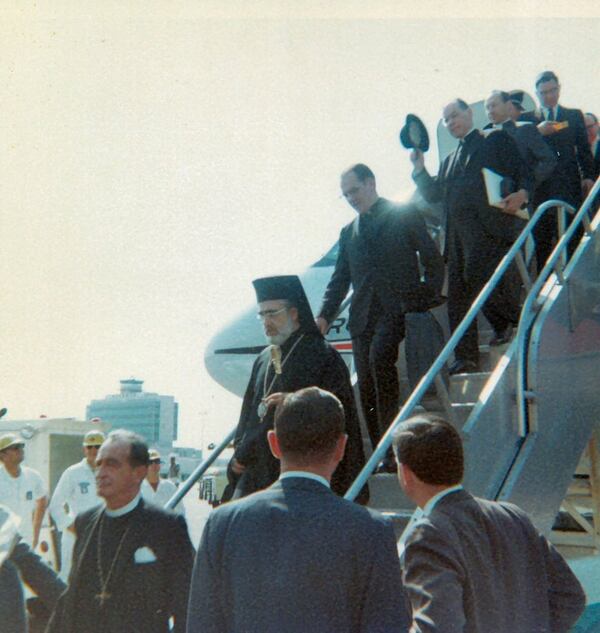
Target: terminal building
{"x":151,"y":415}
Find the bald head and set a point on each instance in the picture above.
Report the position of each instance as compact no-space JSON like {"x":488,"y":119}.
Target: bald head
{"x":458,"y":118}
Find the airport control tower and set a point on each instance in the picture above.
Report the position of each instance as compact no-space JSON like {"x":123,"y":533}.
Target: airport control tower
{"x":151,"y":415}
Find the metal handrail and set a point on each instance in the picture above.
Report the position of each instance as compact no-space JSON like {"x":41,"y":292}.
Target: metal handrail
{"x":187,"y":485}
{"x":531,"y":304}
{"x":440,"y":361}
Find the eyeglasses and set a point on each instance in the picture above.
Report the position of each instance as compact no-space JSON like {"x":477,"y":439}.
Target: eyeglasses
{"x":94,"y":447}
{"x":263,"y":315}
{"x":16,"y":447}
{"x":154,"y":461}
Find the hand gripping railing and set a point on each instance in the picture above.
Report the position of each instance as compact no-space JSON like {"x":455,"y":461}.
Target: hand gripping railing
{"x":188,"y":484}
{"x":514,"y":253}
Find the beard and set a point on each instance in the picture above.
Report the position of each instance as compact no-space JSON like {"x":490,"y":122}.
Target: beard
{"x":285,"y":331}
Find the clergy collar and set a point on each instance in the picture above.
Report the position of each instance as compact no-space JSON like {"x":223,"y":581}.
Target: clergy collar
{"x":304,"y":474}
{"x":126,"y":509}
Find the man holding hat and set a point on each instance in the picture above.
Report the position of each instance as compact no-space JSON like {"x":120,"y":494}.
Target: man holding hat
{"x":22,"y":489}
{"x":74,"y":493}
{"x":297,"y":357}
{"x":155,"y":489}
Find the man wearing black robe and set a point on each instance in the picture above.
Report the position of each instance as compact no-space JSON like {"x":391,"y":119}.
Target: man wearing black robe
{"x":132,"y":561}
{"x":298,"y":357}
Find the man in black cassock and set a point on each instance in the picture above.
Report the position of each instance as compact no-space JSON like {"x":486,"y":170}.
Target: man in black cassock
{"x":132,"y":561}
{"x":298,"y":356}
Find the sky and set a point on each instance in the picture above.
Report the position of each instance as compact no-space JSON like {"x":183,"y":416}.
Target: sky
{"x":158,"y":156}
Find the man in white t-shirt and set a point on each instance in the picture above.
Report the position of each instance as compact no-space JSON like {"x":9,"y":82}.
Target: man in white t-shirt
{"x":74,"y":493}
{"x":22,"y":488}
{"x":155,"y":489}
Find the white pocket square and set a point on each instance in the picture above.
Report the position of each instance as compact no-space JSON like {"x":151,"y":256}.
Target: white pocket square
{"x":144,"y":555}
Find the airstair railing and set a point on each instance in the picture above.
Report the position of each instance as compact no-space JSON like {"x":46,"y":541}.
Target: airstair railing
{"x":199,"y":471}
{"x":433,"y":374}
{"x":556,"y":263}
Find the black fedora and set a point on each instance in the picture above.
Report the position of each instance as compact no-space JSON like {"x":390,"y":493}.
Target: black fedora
{"x":414,"y":134}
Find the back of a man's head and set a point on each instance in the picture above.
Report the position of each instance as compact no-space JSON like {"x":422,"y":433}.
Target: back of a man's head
{"x":308,"y":425}
{"x":431,"y":448}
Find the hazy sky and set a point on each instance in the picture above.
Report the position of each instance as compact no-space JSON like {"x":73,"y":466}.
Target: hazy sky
{"x":158,"y":156}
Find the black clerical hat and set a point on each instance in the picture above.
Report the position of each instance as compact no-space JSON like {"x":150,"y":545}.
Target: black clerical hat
{"x":516,"y":98}
{"x":287,"y":288}
{"x":414,"y":134}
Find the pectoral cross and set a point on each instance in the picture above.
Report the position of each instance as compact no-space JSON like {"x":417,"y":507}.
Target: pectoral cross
{"x":102,"y":597}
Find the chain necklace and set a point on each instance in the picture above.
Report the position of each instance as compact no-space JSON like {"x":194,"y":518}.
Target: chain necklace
{"x":103,"y":596}
{"x":262,"y":407}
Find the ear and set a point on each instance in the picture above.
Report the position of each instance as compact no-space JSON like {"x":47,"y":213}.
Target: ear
{"x":406,"y":477}
{"x":274,"y":444}
{"x":141,"y":472}
{"x":340,"y":448}
{"x":293,"y":312}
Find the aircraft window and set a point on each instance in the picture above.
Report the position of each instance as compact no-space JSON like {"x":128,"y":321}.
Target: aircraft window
{"x":329,"y":258}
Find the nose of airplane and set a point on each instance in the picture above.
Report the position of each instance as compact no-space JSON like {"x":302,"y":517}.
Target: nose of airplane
{"x":230,"y":353}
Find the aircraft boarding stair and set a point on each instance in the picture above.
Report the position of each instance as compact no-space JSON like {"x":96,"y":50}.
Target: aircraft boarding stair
{"x":526,"y":419}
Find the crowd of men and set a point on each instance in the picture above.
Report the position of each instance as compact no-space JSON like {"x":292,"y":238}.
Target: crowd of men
{"x":287,"y":552}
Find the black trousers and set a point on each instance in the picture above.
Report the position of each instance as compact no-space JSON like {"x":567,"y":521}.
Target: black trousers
{"x":375,"y":355}
{"x":473,"y":255}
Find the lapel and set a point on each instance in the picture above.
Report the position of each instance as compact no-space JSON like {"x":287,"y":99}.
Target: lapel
{"x":89,"y":530}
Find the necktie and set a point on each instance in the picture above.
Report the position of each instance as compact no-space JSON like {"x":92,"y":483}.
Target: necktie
{"x":462,"y":154}
{"x":550,"y":114}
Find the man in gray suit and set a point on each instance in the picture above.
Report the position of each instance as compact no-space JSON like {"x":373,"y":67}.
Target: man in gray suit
{"x":469,"y":564}
{"x":295,"y":557}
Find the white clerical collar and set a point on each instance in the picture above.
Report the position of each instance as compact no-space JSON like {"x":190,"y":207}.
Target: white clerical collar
{"x":303,"y":473}
{"x":119,"y":512}
{"x":430,"y":505}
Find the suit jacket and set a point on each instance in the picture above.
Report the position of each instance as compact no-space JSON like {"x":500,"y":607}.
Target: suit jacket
{"x":297,"y":558}
{"x":596,"y":157}
{"x":574,"y":156}
{"x":144,"y":595}
{"x":537,"y":154}
{"x":382,"y":265}
{"x":462,"y":188}
{"x":474,"y":565}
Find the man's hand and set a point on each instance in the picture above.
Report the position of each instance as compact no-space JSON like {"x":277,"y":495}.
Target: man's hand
{"x":586,"y":186}
{"x":546,"y":128}
{"x":514,"y":201}
{"x":237,"y":468}
{"x":418,"y":160}
{"x":275,"y":399}
{"x":322,"y":325}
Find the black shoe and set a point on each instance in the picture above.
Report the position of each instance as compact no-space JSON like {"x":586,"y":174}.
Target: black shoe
{"x":387,"y":465}
{"x":500,"y":338}
{"x":460,"y":366}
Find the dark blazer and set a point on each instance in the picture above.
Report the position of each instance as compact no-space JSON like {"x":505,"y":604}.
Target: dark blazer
{"x":572,"y":149}
{"x":596,"y":157}
{"x":539,"y":157}
{"x":381,"y":263}
{"x":475,"y":565}
{"x":144,"y":595}
{"x":462,"y":189}
{"x":296,"y":558}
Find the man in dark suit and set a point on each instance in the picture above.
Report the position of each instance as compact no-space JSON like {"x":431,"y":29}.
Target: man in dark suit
{"x":591,"y":127}
{"x":379,"y":255}
{"x":472,"y":565}
{"x":478,"y":235}
{"x":296,"y":557}
{"x":132,"y":562}
{"x":564,"y":131}
{"x":538,"y":156}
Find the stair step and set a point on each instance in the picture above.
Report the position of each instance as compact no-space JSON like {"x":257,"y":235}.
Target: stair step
{"x":386,"y":494}
{"x":462,"y":411}
{"x":399,"y":520}
{"x":466,"y":388}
